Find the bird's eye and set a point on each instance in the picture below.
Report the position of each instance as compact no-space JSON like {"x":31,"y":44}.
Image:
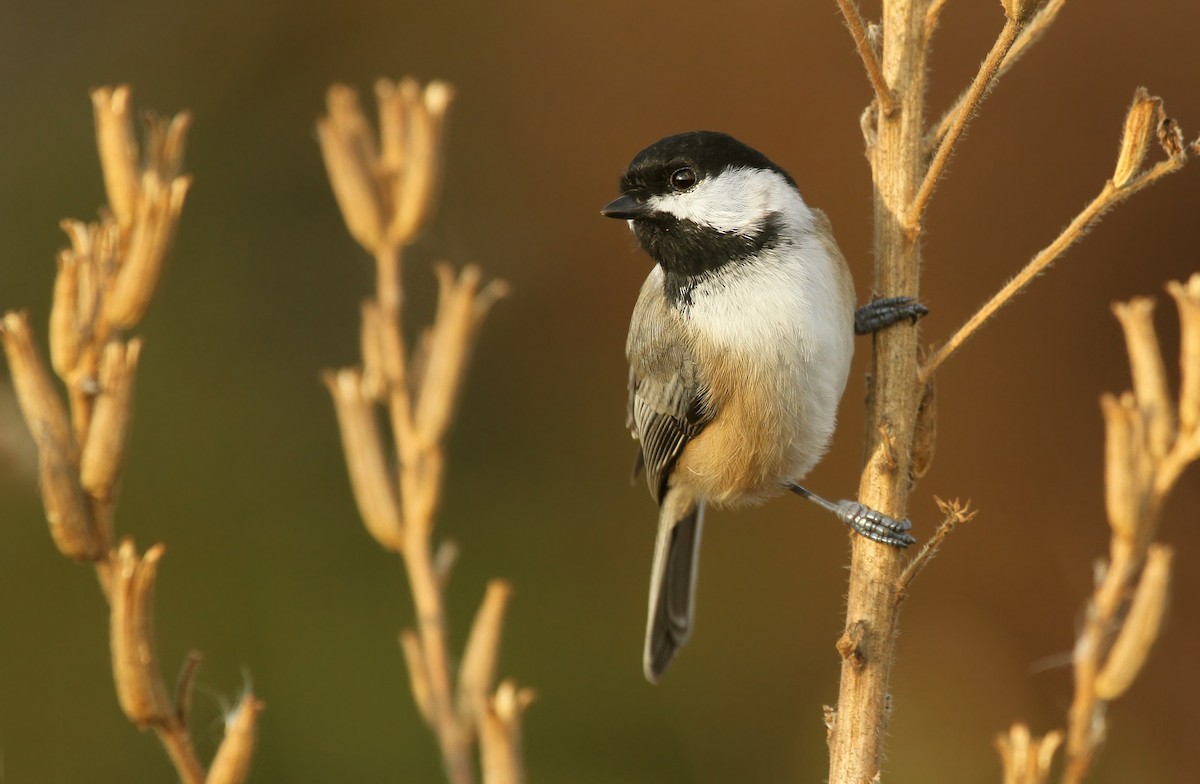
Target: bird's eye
{"x":683,"y":179}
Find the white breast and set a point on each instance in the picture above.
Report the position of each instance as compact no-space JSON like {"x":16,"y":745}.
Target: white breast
{"x":785,"y":321}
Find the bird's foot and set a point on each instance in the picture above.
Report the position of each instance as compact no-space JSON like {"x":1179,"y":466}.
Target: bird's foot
{"x":885,"y":312}
{"x":874,"y":525}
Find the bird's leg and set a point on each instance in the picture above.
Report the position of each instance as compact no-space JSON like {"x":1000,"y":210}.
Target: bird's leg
{"x":885,"y":312}
{"x":863,"y":519}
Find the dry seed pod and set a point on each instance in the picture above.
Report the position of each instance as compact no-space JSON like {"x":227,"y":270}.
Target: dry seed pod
{"x":478,"y":668}
{"x":1149,"y":375}
{"x":104,"y":450}
{"x":500,"y":734}
{"x":1170,"y":136}
{"x":1140,"y":629}
{"x":462,"y":306}
{"x":1026,"y":759}
{"x":370,"y":476}
{"x":415,"y":188}
{"x":157,"y":216}
{"x":1141,"y":125}
{"x":71,"y":524}
{"x":351,"y":160}
{"x":1127,"y":472}
{"x":447,"y":356}
{"x":165,"y":143}
{"x":66,"y":340}
{"x":393,"y":130}
{"x":117,"y":144}
{"x":231,"y":765}
{"x":136,"y":672}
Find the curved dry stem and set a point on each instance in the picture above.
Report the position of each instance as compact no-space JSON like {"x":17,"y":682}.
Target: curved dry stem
{"x":1030,"y":34}
{"x":980,"y":85}
{"x":862,"y":41}
{"x":1109,"y":197}
{"x":956,"y":514}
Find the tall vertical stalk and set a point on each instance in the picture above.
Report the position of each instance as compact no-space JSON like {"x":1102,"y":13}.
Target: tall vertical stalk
{"x":867,"y":644}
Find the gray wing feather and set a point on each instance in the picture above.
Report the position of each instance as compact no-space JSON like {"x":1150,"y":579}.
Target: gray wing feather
{"x":668,"y":405}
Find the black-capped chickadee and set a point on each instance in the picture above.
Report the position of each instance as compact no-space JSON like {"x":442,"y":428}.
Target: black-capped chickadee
{"x":738,"y":351}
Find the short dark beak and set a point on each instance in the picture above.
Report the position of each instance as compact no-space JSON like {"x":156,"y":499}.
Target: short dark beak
{"x":626,"y":208}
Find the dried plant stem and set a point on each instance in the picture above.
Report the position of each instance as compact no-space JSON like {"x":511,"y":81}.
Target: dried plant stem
{"x":1149,"y":439}
{"x":900,"y":412}
{"x":1109,"y":196}
{"x":178,"y":743}
{"x":868,"y":643}
{"x":385,"y":186}
{"x":932,"y":16}
{"x":388,"y":288}
{"x":105,"y":283}
{"x":980,"y":85}
{"x":858,"y":30}
{"x":956,"y":514}
{"x":1031,"y":32}
{"x":453,"y":740}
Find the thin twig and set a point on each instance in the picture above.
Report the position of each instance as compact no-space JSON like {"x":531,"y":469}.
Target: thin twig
{"x":983,"y":81}
{"x":178,"y":743}
{"x":933,"y":16}
{"x":1030,"y":34}
{"x":1108,"y":197}
{"x":955,"y":515}
{"x":858,"y":30}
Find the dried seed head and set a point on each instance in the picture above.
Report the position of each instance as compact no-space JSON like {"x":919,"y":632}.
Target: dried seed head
{"x":1149,"y":375}
{"x":165,"y":144}
{"x":1127,"y":471}
{"x":104,"y":450}
{"x":1142,"y":122}
{"x":416,"y":181}
{"x":1141,"y":626}
{"x":1187,"y":299}
{"x":136,"y":672}
{"x":370,"y":477}
{"x":478,"y":670}
{"x":231,"y":765}
{"x":158,"y":212}
{"x":71,"y":524}
{"x":351,"y":161}
{"x":1170,"y":136}
{"x":500,"y":734}
{"x":1027,"y":759}
{"x":66,"y":338}
{"x":463,"y":303}
{"x":118,"y":151}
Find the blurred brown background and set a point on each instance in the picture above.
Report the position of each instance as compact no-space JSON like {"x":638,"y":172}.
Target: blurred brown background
{"x":235,"y":460}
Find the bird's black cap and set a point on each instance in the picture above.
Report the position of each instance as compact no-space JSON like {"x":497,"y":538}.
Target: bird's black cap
{"x":708,"y":153}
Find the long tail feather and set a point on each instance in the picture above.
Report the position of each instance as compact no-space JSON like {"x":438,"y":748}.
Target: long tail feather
{"x":672,"y":584}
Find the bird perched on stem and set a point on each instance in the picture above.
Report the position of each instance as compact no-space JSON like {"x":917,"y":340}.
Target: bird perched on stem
{"x":738,"y":351}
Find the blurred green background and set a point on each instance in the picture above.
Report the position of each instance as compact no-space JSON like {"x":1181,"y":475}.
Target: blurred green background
{"x":235,"y":461}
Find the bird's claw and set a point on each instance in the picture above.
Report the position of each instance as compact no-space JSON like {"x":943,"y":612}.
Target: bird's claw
{"x":874,"y":525}
{"x":880,"y":313}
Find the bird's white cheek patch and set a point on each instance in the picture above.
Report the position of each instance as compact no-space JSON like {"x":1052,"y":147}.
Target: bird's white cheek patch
{"x":736,"y":201}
